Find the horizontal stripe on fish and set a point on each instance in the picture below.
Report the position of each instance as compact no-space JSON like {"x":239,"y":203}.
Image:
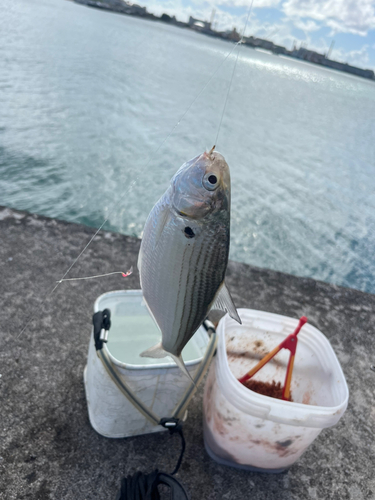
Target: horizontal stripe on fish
{"x":207,"y":275}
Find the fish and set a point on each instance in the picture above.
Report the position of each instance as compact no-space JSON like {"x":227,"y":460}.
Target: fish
{"x":184,"y":253}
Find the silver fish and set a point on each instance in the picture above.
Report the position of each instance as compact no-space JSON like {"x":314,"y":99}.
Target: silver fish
{"x":184,"y":253}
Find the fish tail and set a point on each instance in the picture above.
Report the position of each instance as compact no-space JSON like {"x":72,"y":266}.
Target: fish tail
{"x":157,"y":351}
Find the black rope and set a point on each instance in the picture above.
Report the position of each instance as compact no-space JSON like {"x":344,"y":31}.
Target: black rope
{"x":174,"y":426}
{"x":141,"y":486}
{"x":145,"y":487}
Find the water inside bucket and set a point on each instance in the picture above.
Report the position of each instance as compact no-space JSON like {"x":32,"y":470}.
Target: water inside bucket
{"x":133,"y":331}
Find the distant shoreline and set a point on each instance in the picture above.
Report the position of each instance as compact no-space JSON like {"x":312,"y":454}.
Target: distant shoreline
{"x":302,"y":53}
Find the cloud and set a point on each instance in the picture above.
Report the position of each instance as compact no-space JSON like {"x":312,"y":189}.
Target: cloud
{"x":245,"y":4}
{"x":347,"y":16}
{"x":203,"y":10}
{"x":224,"y":19}
{"x":306,"y":26}
{"x":358,"y":57}
{"x":257,"y":4}
{"x":309,"y":16}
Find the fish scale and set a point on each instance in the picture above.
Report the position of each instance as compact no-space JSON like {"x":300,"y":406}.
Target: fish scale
{"x":204,"y":285}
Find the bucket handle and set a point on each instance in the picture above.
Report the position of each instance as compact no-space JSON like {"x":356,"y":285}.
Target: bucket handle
{"x":102,"y":324}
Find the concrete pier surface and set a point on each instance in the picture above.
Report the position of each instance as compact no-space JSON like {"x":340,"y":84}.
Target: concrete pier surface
{"x":48,"y":449}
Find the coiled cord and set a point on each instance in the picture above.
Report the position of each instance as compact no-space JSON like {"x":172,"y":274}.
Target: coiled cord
{"x":142,"y":486}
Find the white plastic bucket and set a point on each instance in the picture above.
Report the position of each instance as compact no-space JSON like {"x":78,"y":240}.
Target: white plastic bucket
{"x":158,"y":383}
{"x":255,"y":432}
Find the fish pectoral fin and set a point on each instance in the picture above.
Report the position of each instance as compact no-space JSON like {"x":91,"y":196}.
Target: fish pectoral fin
{"x":161,"y":223}
{"x":224,"y":302}
{"x":139,"y":263}
{"x":157,"y":351}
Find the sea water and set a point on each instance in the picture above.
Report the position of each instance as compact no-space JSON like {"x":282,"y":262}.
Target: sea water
{"x":87,"y":98}
{"x":133,"y":330}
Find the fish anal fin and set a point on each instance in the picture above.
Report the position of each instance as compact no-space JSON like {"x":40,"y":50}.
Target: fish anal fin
{"x":224,"y":302}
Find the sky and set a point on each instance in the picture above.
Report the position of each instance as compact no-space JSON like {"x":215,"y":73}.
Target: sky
{"x":315,"y":23}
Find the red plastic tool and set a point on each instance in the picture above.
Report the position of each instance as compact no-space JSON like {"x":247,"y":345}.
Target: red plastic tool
{"x":289,"y":343}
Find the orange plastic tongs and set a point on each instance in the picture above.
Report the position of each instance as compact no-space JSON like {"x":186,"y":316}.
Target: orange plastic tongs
{"x":289,"y":343}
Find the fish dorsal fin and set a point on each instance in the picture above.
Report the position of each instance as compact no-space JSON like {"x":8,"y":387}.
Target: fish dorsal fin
{"x":224,"y":302}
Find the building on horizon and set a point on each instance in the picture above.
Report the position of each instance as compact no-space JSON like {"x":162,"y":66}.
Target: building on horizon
{"x":198,"y":24}
{"x":317,"y":58}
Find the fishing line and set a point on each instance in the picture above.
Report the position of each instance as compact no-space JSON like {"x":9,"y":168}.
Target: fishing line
{"x":234,"y":69}
{"x":124,"y":275}
{"x":132,"y":183}
{"x":155,"y":152}
{"x":45,"y":297}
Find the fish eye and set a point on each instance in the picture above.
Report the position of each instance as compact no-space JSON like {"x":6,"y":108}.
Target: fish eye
{"x":210,"y":182}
